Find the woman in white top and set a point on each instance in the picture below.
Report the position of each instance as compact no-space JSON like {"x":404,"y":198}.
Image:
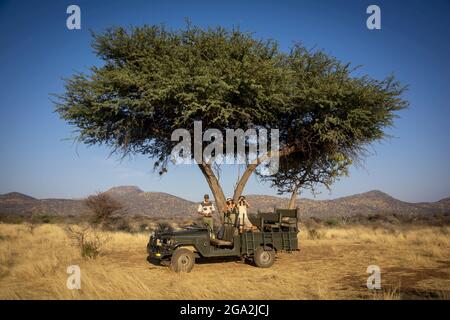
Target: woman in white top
{"x":243,"y":220}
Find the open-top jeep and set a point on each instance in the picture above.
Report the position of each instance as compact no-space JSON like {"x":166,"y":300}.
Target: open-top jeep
{"x":276,"y":231}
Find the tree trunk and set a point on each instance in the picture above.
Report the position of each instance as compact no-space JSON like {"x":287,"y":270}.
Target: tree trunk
{"x":293,"y":199}
{"x":243,"y":181}
{"x":215,"y":187}
{"x":252,"y":167}
{"x":214,"y":184}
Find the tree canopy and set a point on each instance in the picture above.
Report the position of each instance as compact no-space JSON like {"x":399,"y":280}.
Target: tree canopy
{"x":155,"y":80}
{"x":297,"y":174}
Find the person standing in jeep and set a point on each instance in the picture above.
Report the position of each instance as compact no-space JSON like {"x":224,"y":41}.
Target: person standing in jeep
{"x":206,"y":209}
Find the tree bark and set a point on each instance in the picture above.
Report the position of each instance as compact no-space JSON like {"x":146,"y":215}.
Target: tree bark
{"x":243,"y":181}
{"x":215,"y":187}
{"x":293,"y":199}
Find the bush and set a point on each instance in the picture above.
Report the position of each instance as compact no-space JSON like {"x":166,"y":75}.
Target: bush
{"x":40,"y":218}
{"x":123,"y":225}
{"x":102,"y":207}
{"x":45,"y":219}
{"x":37,"y":219}
{"x":88,"y":240}
{"x":119,"y":223}
{"x":314,"y":234}
{"x":332,"y":222}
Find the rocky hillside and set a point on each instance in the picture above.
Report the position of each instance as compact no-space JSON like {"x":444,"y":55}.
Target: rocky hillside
{"x":372,"y":202}
{"x":134,"y":201}
{"x":156,"y":204}
{"x":21,"y":204}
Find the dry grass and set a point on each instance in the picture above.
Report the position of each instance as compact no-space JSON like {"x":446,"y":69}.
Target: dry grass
{"x":415,"y":263}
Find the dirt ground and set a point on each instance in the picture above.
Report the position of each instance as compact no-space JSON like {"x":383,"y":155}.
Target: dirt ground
{"x":414,"y":263}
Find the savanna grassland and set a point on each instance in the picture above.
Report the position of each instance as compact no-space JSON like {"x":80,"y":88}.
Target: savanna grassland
{"x":332,"y":264}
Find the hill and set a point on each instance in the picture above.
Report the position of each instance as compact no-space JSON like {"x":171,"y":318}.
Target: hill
{"x":135,"y":201}
{"x":372,"y":202}
{"x":154,"y":204}
{"x":162,"y":205}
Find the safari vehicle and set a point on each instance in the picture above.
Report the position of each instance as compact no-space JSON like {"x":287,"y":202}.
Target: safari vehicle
{"x":276,"y":231}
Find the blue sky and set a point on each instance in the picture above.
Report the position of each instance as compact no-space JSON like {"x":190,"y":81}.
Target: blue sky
{"x":37,"y":50}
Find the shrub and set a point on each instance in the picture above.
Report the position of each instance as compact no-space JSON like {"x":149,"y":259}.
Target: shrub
{"x":42,"y":218}
{"x":123,"y":225}
{"x":118,"y":223}
{"x":37,"y":219}
{"x":332,"y":222}
{"x":46,"y":220}
{"x":314,"y":234}
{"x":88,"y":240}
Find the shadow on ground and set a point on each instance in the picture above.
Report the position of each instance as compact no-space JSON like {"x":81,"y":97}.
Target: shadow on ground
{"x":404,"y":281}
{"x":202,"y":261}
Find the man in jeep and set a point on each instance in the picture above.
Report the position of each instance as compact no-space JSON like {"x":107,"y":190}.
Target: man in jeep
{"x":206,"y":209}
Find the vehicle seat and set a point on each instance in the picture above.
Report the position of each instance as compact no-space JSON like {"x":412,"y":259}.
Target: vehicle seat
{"x":221,"y":243}
{"x":227,"y":236}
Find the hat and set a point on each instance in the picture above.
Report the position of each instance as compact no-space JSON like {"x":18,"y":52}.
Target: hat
{"x":206,"y":196}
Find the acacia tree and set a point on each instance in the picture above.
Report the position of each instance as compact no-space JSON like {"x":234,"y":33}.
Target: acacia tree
{"x":102,"y":207}
{"x":307,"y":174}
{"x":153,"y":81}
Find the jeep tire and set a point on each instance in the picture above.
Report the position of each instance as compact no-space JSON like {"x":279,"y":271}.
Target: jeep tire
{"x":264,"y":257}
{"x":182,"y":260}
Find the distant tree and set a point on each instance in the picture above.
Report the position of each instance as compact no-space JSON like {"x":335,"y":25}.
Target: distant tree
{"x":153,"y":81}
{"x":307,"y":174}
{"x":102,"y":207}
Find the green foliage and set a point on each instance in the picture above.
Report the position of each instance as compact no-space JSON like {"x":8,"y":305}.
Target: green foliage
{"x":307,"y":171}
{"x":40,"y":218}
{"x":332,"y":222}
{"x":154,"y":81}
{"x":46,"y":219}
